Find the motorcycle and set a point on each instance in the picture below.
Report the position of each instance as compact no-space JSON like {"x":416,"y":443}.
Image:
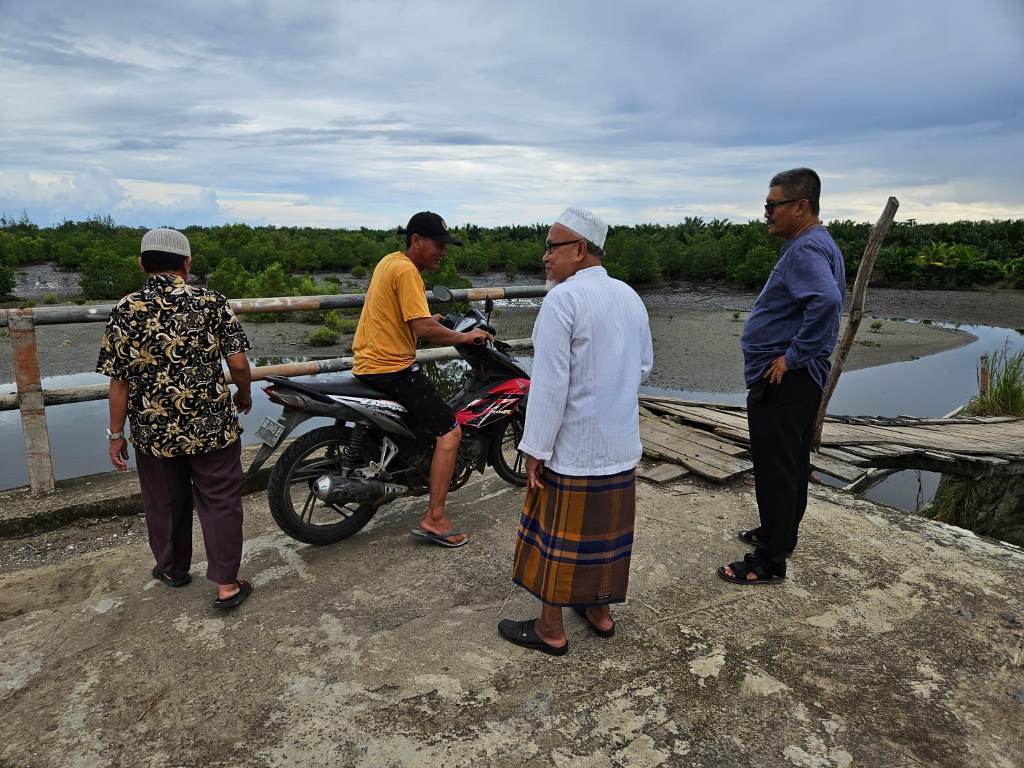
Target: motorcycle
{"x":329,"y":482}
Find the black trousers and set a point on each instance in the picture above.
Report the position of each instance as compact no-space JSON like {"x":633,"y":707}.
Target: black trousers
{"x":780,"y":418}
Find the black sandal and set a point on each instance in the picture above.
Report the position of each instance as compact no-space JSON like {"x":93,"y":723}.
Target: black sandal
{"x":523,"y":634}
{"x":244,"y":590}
{"x":751,"y":563}
{"x":181,"y":581}
{"x":752,"y":537}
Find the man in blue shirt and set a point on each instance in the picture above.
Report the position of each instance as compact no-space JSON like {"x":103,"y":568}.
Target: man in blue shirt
{"x":787,"y":344}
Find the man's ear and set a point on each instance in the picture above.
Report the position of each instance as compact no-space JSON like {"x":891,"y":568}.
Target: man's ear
{"x":140,"y":266}
{"x":188,"y":263}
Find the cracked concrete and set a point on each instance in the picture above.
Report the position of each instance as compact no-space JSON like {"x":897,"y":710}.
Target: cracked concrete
{"x":897,"y":641}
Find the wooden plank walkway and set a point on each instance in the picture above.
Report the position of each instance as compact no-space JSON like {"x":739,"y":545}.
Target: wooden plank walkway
{"x":711,"y":440}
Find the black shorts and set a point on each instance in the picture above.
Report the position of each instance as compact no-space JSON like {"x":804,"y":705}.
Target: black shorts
{"x":414,"y":390}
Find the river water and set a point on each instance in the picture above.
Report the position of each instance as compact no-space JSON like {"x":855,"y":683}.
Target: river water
{"x":930,"y":386}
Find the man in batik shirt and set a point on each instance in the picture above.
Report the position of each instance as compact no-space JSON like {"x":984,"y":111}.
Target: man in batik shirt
{"x":162,"y":350}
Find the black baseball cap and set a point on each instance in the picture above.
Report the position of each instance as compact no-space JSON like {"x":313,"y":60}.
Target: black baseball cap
{"x":430,"y":225}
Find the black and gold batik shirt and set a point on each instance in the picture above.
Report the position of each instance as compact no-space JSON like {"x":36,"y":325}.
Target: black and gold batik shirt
{"x":167,"y":341}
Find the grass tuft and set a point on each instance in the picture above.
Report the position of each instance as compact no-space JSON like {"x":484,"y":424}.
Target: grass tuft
{"x":1005,"y":396}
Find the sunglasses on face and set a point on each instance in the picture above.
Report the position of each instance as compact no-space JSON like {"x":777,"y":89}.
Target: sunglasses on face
{"x":771,"y":205}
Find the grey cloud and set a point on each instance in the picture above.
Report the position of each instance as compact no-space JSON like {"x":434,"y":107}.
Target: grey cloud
{"x":620,"y":102}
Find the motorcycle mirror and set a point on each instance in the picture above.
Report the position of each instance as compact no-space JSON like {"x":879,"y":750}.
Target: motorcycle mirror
{"x":442,"y":294}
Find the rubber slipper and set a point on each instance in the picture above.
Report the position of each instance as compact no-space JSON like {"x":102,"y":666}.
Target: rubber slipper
{"x":181,"y":581}
{"x":582,"y":612}
{"x":440,"y":538}
{"x":244,"y":590}
{"x":523,"y":634}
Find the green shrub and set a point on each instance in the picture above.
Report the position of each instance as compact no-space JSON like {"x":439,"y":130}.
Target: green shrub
{"x":229,"y":278}
{"x":110,"y":275}
{"x":340,"y":324}
{"x":1015,"y":271}
{"x":358,"y":271}
{"x":50,"y":298}
{"x":26,"y":305}
{"x":323,"y":337}
{"x":7,"y":280}
{"x":755,"y":267}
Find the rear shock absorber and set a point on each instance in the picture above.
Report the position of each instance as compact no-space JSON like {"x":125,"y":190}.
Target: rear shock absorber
{"x":352,"y":456}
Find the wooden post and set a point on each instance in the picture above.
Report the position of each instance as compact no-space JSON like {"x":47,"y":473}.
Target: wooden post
{"x":983,"y":376}
{"x":30,"y":395}
{"x":860,"y":285}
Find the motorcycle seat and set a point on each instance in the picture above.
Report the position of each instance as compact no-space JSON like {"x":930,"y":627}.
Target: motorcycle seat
{"x":342,"y":386}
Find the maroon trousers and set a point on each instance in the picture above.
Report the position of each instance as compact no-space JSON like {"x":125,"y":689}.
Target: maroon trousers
{"x":212,"y":482}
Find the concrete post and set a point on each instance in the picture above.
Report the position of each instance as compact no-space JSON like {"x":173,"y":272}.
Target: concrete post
{"x":30,"y":396}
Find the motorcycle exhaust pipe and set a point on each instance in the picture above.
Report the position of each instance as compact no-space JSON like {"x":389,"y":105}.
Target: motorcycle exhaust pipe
{"x":338,"y":489}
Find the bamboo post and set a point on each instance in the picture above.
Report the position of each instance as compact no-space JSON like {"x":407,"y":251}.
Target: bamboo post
{"x":30,"y":398}
{"x":860,"y":286}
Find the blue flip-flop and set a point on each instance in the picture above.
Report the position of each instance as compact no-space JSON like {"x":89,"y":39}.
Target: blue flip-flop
{"x":440,"y":538}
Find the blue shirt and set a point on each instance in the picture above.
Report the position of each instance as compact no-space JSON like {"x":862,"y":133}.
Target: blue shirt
{"x":797,"y":313}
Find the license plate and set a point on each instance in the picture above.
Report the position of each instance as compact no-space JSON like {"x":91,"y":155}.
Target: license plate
{"x":270,"y":431}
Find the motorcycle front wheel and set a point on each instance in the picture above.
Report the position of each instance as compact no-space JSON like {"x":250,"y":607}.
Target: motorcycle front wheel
{"x":506,"y":458}
{"x":295,"y":507}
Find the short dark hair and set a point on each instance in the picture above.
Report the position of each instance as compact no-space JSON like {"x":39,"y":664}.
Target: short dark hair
{"x":594,"y":250}
{"x":162,"y":261}
{"x":800,"y":183}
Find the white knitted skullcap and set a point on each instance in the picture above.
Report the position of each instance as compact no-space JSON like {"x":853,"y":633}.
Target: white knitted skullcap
{"x":166,"y":240}
{"x":585,"y":224}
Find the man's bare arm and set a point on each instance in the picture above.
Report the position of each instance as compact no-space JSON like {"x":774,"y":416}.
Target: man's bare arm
{"x":118,"y":406}
{"x":241,"y":377}
{"x":429,"y":329}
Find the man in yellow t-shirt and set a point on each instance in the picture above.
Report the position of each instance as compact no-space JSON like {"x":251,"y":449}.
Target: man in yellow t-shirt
{"x":394,"y":316}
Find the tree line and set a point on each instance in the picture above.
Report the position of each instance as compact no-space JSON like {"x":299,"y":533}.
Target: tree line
{"x":241,"y":260}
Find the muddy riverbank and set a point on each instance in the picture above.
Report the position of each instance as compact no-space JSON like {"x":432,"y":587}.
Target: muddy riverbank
{"x":696,"y":330}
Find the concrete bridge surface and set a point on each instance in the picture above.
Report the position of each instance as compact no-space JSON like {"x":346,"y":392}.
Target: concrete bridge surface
{"x":895,"y":642}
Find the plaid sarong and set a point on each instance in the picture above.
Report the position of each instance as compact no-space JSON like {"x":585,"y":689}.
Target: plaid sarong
{"x":576,"y":537}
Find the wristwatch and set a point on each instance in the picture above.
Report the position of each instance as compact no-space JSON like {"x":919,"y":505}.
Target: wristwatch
{"x":115,"y":435}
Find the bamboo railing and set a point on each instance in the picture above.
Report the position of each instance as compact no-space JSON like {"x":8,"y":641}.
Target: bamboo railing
{"x":31,"y":399}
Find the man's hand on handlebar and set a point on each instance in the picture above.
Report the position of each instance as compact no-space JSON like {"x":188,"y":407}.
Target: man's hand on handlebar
{"x":478,"y":336}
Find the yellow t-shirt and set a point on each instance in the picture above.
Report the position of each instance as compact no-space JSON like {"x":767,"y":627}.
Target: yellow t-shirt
{"x":384,"y":342}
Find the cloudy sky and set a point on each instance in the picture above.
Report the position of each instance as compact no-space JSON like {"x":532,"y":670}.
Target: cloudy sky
{"x":358,"y":113}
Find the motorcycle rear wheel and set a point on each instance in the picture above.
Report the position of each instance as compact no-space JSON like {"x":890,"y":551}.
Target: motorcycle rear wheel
{"x":506,"y":458}
{"x":293,"y":504}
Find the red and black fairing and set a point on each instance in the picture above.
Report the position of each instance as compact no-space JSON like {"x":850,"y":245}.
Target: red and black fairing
{"x":498,"y":402}
{"x":496,"y":386}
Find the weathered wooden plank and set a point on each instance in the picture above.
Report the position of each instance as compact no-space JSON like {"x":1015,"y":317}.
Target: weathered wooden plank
{"x":709,"y":464}
{"x":663,"y":472}
{"x":688,"y":447}
{"x":695,"y":435}
{"x":843,"y":456}
{"x":839,"y":469}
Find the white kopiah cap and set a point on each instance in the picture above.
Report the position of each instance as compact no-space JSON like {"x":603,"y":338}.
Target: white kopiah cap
{"x":585,"y":224}
{"x":166,"y":240}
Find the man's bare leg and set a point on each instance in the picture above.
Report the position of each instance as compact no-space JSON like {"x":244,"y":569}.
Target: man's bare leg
{"x":441,"y":468}
{"x":549,"y":626}
{"x":601,"y":617}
